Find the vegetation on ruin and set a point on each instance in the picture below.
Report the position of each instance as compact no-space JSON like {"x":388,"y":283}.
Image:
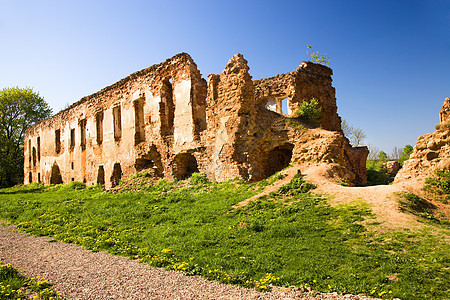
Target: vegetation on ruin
{"x":289,"y":237}
{"x":438,"y":185}
{"x":14,"y":285}
{"x":19,"y":109}
{"x":316,"y":57}
{"x":310,"y":112}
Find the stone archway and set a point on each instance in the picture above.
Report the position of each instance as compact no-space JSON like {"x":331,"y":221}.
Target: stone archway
{"x":185,"y":164}
{"x":278,"y":158}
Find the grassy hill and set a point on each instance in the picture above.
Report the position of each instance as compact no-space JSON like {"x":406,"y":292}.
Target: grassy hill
{"x":290,"y":237}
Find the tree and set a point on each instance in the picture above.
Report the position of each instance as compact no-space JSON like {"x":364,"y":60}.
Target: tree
{"x":19,"y":109}
{"x":356,"y":136}
{"x":405,"y":154}
{"x":383,"y":157}
{"x":373,"y":152}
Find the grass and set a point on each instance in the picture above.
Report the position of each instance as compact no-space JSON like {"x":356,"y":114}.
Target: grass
{"x":290,"y":237}
{"x":13,"y":285}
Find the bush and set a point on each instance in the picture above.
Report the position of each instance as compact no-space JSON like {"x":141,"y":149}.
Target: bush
{"x":310,"y":112}
{"x":197,"y":178}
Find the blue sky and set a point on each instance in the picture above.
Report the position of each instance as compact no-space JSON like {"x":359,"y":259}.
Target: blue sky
{"x":391,"y":59}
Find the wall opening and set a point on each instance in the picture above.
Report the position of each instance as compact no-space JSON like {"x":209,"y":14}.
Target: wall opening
{"x":72,"y":138}
{"x":34,"y":157}
{"x":57,"y":141}
{"x":55,"y":177}
{"x":39,"y":148}
{"x":29,"y":152}
{"x":185,"y":164}
{"x":101,"y":175}
{"x":116,"y":175}
{"x":285,"y":107}
{"x":83,"y":134}
{"x":30,"y":177}
{"x":150,"y":161}
{"x":99,"y":126}
{"x":117,"y":119}
{"x":167,"y":107}
{"x":139,"y":134}
{"x":278,"y":159}
{"x":39,"y":178}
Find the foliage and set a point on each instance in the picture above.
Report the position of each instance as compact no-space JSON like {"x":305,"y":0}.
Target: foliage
{"x":316,"y":57}
{"x":356,"y":136}
{"x":376,"y":174}
{"x":296,"y":186}
{"x":19,"y":109}
{"x":405,"y":154}
{"x":310,"y":111}
{"x":289,"y":238}
{"x":198,"y":178}
{"x":439,"y":185}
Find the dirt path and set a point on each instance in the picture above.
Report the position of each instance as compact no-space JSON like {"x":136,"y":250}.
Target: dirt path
{"x":80,"y":274}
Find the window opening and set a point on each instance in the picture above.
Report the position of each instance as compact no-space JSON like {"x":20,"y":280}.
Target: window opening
{"x":30,"y":177}
{"x":34,"y":157}
{"x":29,"y":151}
{"x":39,"y":148}
{"x":39,"y":178}
{"x":139,"y":135}
{"x":117,"y":123}
{"x":72,"y":138}
{"x":167,"y":107}
{"x":83,"y":134}
{"x":99,"y":125}
{"x":151,"y":162}
{"x":285,"y":107}
{"x":57,"y":141}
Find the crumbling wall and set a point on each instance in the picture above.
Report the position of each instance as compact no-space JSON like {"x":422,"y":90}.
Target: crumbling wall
{"x":431,"y":152}
{"x":168,"y":120}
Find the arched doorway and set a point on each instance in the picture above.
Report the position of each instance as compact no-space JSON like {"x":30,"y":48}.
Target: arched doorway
{"x":55,"y":177}
{"x":116,"y":175}
{"x":278,"y":158}
{"x":185,"y":164}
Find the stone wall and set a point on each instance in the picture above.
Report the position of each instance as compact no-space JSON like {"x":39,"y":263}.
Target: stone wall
{"x":431,"y":152}
{"x":168,"y":120}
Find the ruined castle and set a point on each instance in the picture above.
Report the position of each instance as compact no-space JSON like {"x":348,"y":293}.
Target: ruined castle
{"x":168,"y":120}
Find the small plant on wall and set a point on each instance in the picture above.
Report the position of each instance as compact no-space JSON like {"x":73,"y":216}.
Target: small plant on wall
{"x":316,"y":57}
{"x":310,"y":112}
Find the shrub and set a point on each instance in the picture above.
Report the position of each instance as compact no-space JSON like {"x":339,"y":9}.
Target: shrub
{"x":197,"y":178}
{"x":310,"y":112}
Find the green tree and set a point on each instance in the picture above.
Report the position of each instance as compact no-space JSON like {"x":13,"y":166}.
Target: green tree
{"x":383,"y":157}
{"x":19,"y":109}
{"x":405,"y":154}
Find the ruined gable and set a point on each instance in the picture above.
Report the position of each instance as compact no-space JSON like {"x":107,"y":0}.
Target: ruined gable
{"x":168,"y":120}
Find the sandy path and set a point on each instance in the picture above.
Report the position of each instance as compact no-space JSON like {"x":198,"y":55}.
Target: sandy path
{"x":80,"y":274}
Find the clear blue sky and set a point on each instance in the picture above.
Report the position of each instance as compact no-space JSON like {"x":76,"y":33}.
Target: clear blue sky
{"x":391,"y":59}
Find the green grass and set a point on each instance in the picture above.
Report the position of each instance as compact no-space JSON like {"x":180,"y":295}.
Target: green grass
{"x":13,"y":285}
{"x":289,"y":237}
